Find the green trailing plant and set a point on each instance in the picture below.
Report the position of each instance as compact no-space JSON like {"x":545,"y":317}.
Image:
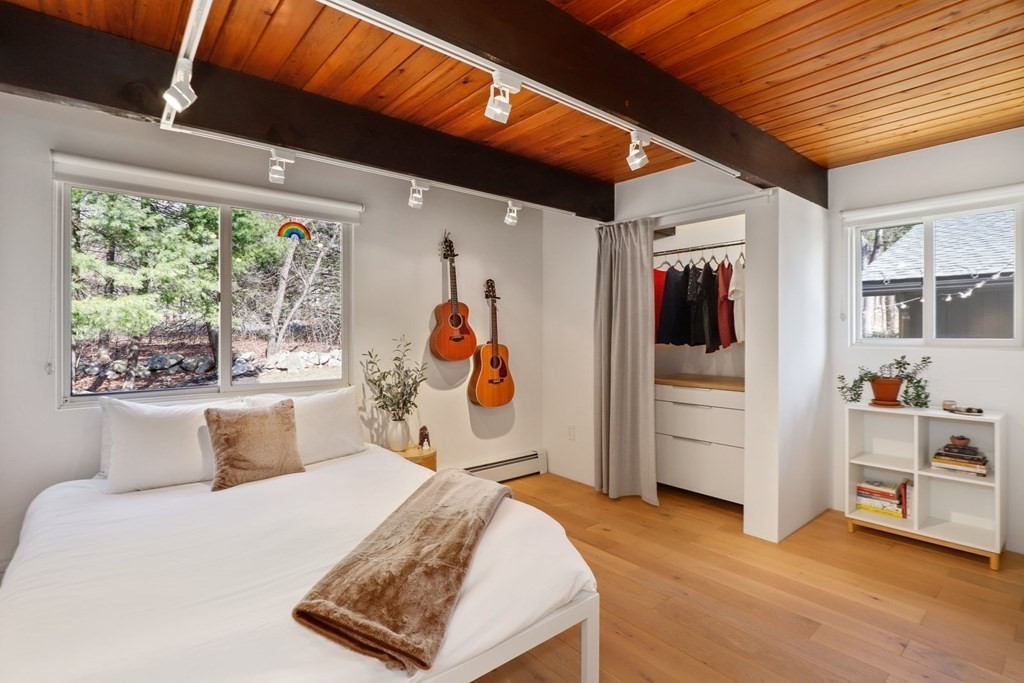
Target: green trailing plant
{"x":395,"y":389}
{"x":915,"y":387}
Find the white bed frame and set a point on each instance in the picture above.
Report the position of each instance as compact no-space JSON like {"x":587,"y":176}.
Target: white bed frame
{"x":584,"y":609}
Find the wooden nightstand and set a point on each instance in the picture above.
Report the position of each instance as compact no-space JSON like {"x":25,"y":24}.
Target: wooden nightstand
{"x":427,"y":457}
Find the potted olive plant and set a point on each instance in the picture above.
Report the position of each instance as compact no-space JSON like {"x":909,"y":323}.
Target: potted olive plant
{"x":886,"y":383}
{"x":395,"y":390}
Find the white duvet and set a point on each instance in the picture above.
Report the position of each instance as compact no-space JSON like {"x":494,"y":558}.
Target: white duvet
{"x":181,"y":584}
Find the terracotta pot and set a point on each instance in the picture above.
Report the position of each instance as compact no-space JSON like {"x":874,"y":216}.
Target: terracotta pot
{"x":886,"y":389}
{"x":960,"y":441}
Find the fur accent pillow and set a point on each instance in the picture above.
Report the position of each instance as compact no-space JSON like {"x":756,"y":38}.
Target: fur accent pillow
{"x":250,"y":444}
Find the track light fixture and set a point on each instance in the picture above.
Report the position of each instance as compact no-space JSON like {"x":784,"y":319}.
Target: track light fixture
{"x":637,"y":157}
{"x":512,"y":213}
{"x":278,"y":159}
{"x":416,"y":193}
{"x":499,"y":104}
{"x":180,"y":95}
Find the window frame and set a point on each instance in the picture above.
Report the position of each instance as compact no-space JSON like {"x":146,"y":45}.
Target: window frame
{"x":225,"y":197}
{"x":928,"y":322}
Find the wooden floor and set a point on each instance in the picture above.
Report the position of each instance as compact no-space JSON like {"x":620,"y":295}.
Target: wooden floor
{"x":685,"y":596}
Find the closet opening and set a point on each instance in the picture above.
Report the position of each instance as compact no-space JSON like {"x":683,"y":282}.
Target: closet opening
{"x":699,"y":273}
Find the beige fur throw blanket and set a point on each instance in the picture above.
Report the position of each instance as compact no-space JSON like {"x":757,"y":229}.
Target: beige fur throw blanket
{"x":393,"y":596}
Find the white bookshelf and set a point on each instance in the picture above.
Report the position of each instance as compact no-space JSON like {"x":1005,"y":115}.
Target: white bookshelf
{"x":957,"y":510}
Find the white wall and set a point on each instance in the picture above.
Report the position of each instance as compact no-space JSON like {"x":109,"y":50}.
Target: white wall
{"x":670,"y":359}
{"x":803,"y":382}
{"x":398,"y":280}
{"x":990,"y":378}
{"x":570,"y":275}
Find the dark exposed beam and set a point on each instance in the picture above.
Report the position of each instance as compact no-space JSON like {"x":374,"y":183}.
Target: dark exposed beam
{"x":546,"y":45}
{"x":58,"y":60}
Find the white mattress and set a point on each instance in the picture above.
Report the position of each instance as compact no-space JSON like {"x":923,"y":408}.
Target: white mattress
{"x":181,"y":584}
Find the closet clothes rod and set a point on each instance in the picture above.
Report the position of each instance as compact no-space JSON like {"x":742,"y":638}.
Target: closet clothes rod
{"x":705,"y":247}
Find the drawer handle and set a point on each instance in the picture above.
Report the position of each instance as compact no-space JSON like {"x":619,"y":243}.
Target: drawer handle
{"x":691,"y":405}
{"x":686,"y":438}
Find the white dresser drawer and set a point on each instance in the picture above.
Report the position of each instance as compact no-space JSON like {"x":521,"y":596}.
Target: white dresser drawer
{"x":705,"y":423}
{"x":708,"y":468}
{"x":704,"y":397}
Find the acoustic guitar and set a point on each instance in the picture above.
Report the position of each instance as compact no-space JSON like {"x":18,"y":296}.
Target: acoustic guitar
{"x":491,"y":384}
{"x":452,"y":338}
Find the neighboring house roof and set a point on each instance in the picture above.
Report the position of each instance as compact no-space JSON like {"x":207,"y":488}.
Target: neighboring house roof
{"x":976,"y":244}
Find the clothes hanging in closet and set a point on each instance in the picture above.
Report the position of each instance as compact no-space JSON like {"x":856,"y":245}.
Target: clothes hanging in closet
{"x":709,"y":292}
{"x":659,"y":292}
{"x":737,"y":294}
{"x":695,"y":297}
{"x":725,"y":307}
{"x":674,"y":319}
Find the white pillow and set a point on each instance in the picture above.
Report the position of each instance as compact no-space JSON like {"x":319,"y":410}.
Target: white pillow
{"x":327,"y":424}
{"x":151,"y":446}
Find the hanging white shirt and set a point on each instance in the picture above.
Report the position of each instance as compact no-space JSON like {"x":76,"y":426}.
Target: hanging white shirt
{"x":737,"y":287}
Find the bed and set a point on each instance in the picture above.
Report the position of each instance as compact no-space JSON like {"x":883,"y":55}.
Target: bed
{"x":181,"y":584}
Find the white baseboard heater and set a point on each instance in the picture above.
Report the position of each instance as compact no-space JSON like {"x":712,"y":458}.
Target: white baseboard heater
{"x":532,"y":462}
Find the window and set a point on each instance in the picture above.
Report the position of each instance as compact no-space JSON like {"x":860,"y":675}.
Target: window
{"x":163,"y":294}
{"x":939,"y":279}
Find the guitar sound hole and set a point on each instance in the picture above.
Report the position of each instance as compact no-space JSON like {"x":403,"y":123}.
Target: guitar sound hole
{"x":455,"y":320}
{"x":495,"y":362}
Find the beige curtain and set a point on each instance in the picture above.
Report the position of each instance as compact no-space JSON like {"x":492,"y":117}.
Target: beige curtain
{"x":624,"y":362}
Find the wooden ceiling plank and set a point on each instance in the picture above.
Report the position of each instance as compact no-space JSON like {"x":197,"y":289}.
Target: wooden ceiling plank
{"x":863,"y":120}
{"x":976,"y":104}
{"x":386,"y":59}
{"x":318,"y":44}
{"x":896,"y":70}
{"x":290,"y":23}
{"x":348,"y":55}
{"x":247,"y":21}
{"x":34,"y":5}
{"x":859,"y":105}
{"x":214,"y":25}
{"x":555,"y":116}
{"x":908,"y":39}
{"x":529,"y":36}
{"x":119,"y":17}
{"x":754,"y":32}
{"x":476,"y":127}
{"x":938,"y":137}
{"x":445,"y":103}
{"x":415,"y":68}
{"x":120,"y":76}
{"x":658,"y":19}
{"x":588,"y":10}
{"x":996,"y":107}
{"x":440,"y":78}
{"x":646,"y":17}
{"x":156,"y":22}
{"x":823,"y":45}
{"x":701,"y":33}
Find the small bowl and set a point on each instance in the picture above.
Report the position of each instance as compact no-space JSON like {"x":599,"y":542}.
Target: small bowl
{"x":960,"y":441}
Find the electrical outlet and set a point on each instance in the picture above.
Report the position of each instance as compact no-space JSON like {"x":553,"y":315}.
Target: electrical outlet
{"x":572,"y":432}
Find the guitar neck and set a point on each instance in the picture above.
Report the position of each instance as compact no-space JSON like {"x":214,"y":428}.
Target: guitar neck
{"x":494,"y":326}
{"x":453,"y":284}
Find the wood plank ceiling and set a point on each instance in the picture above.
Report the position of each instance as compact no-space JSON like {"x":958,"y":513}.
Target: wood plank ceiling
{"x":840,"y":81}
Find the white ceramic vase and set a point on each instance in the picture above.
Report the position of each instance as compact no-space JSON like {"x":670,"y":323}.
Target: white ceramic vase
{"x":398,"y":435}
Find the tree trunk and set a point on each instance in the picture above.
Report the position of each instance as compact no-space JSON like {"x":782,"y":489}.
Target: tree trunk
{"x":308,"y":285}
{"x":213,"y":338}
{"x":133,"y":359}
{"x":108,"y":289}
{"x":274,"y":337}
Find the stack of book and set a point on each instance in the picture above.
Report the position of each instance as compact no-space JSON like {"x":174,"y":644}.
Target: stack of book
{"x":885,"y":499}
{"x":961,"y":459}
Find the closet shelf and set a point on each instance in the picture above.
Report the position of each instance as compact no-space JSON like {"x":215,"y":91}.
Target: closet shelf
{"x":897,"y":463}
{"x":702,"y":382}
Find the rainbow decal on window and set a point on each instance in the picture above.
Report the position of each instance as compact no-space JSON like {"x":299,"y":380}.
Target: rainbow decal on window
{"x":295,"y":231}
